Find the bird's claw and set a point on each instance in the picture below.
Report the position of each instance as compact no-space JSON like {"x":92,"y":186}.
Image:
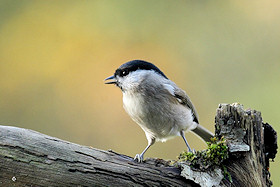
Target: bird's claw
{"x":138,"y":158}
{"x":192,"y":151}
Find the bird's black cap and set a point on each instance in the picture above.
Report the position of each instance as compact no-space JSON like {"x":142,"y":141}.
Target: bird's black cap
{"x":134,"y":65}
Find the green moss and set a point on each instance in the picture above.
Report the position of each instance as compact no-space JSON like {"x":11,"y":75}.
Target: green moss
{"x":226,"y":173}
{"x":214,"y":155}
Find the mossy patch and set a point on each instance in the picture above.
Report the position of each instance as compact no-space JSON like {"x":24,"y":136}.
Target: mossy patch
{"x":214,"y":155}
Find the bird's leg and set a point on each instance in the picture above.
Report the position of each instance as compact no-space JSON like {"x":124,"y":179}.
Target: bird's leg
{"x":140,"y":158}
{"x":183,"y":136}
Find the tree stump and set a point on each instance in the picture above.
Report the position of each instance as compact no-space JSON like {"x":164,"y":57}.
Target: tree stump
{"x":29,"y":158}
{"x":251,"y":144}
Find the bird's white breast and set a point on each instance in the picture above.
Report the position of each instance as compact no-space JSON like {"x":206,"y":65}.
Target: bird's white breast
{"x":133,"y":105}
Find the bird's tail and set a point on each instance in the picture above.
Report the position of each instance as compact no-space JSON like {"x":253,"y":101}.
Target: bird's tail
{"x":202,"y":132}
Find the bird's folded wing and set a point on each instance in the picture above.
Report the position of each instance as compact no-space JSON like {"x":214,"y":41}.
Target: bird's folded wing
{"x":181,"y":97}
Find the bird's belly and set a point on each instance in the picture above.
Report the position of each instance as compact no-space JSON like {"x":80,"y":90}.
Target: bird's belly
{"x":158,"y":120}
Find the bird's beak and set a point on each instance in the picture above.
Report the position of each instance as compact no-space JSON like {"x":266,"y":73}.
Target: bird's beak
{"x":114,"y":81}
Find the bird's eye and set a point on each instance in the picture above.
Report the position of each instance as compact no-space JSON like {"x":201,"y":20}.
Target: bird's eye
{"x":124,"y":72}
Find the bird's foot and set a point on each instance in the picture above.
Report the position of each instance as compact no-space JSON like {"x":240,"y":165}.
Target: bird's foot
{"x":139,"y":158}
{"x":191,"y":151}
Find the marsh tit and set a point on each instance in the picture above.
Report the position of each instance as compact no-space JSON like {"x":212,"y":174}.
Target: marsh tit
{"x":156,"y":104}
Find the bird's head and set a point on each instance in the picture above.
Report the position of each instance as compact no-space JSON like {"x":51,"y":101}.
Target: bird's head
{"x":130,"y":74}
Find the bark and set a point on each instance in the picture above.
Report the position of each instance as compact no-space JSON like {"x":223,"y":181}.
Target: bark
{"x":251,"y":143}
{"x":29,"y":158}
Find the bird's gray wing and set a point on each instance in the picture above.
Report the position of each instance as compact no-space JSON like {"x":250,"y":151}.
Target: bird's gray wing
{"x":181,"y":97}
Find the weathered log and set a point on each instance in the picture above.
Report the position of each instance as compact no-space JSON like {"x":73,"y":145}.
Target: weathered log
{"x":29,"y":158}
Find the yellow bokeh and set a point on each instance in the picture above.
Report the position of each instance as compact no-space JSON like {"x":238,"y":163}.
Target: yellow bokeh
{"x":54,"y":56}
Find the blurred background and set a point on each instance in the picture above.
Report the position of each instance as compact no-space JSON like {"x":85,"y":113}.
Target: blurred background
{"x":54,"y":56}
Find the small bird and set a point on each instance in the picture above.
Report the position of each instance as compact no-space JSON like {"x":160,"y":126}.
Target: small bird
{"x":156,"y":104}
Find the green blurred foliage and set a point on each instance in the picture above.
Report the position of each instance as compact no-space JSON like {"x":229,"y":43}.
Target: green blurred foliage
{"x":54,"y":56}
